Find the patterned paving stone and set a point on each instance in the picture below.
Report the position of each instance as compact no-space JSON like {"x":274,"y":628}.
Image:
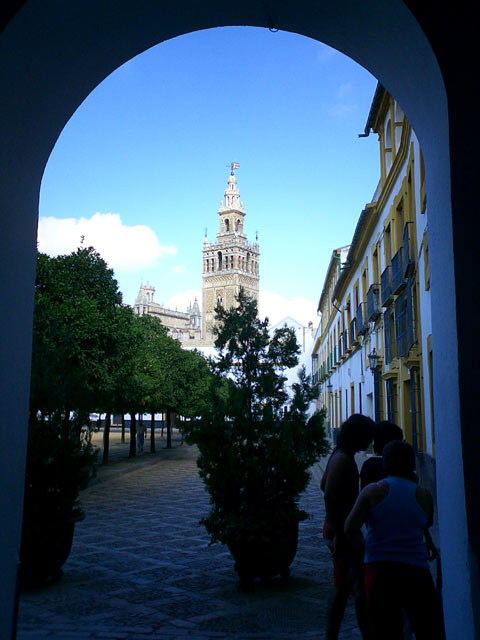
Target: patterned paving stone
{"x":141,"y":566}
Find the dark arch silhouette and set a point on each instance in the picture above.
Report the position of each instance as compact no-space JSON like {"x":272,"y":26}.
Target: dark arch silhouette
{"x":53,"y":54}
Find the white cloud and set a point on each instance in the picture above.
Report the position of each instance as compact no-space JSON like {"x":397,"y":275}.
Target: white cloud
{"x":124,"y":248}
{"x":181,"y":301}
{"x":341,"y":109}
{"x":179,"y":268}
{"x":276,"y":307}
{"x":326,"y":53}
{"x":344,"y":89}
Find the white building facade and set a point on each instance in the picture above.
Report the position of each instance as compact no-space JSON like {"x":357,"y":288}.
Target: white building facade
{"x":372,"y":352}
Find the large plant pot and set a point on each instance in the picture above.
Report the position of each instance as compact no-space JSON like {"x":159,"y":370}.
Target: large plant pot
{"x":266,"y":560}
{"x":45,"y":548}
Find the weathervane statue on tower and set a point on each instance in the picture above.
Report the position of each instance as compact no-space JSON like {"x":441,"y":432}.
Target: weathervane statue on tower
{"x":233,"y":166}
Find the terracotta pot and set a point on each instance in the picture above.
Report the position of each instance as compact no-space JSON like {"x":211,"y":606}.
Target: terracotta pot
{"x":262,"y":560}
{"x":45,"y":548}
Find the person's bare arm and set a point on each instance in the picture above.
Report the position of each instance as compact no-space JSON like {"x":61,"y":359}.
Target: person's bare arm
{"x":340,"y":485}
{"x":368,"y":498}
{"x":425,"y":500}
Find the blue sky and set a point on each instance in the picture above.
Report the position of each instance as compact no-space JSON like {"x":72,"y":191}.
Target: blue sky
{"x":151,"y":144}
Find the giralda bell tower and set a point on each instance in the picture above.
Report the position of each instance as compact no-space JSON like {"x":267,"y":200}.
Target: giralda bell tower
{"x":232,"y":262}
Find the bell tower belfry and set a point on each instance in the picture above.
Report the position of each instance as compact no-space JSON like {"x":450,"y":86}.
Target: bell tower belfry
{"x":231,"y":262}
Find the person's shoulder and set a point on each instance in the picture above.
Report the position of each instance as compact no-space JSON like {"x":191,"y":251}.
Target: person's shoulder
{"x":373,"y":461}
{"x":375,"y":492}
{"x":371,"y":471}
{"x":340,"y":459}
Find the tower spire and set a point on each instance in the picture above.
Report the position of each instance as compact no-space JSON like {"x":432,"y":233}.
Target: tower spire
{"x":232,"y":195}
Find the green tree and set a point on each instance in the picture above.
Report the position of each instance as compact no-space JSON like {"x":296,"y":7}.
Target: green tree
{"x":173,"y":378}
{"x":73,"y":356}
{"x":76,"y":302}
{"x":255,"y":438}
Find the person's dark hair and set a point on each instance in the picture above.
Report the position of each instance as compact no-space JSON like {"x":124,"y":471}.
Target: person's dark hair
{"x":385,"y":432}
{"x":398,"y":459}
{"x":356,"y":433}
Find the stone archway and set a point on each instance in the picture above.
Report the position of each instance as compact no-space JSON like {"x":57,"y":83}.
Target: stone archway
{"x":52,"y":55}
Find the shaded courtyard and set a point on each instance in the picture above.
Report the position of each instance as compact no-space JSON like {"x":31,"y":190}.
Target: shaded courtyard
{"x":141,"y":566}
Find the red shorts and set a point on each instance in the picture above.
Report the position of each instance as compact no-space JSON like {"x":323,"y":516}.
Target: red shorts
{"x":341,"y":566}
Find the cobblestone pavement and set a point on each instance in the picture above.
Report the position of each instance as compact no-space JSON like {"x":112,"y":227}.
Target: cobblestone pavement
{"x":141,"y":567}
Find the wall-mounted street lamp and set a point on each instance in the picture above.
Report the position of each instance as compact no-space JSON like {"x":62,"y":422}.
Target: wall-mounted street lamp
{"x":329,"y":388}
{"x":373,"y":359}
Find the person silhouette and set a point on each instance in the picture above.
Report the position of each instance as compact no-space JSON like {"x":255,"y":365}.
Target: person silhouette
{"x":398,"y":512}
{"x":340,"y":486}
{"x":372,"y":469}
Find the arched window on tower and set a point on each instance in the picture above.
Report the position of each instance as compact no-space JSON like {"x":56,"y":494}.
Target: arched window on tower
{"x":213,"y":264}
{"x":219,"y":260}
{"x":248,"y":262}
{"x":236,"y":224}
{"x":227,"y":225}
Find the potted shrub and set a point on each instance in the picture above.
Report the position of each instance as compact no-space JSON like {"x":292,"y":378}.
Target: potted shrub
{"x":60,"y":463}
{"x":256,"y":442}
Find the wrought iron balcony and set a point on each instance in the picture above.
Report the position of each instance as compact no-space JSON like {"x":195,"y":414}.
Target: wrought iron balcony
{"x":347,"y":345}
{"x":353,"y":332}
{"x":401,"y":325}
{"x":408,"y":249}
{"x":387,"y":294}
{"x":398,"y":280}
{"x":362,"y":324}
{"x":373,"y":303}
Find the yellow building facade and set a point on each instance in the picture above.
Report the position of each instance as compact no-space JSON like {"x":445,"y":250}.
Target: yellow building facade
{"x":373,"y":349}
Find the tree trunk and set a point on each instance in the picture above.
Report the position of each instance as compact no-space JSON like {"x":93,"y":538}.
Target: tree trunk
{"x":106,"y":437}
{"x":123,"y":428}
{"x":152,"y":433}
{"x":169,"y":429}
{"x":66,"y":424}
{"x":133,"y":435}
{"x":163,"y":422}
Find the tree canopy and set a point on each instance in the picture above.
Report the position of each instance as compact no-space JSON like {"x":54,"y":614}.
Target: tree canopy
{"x":255,"y":437}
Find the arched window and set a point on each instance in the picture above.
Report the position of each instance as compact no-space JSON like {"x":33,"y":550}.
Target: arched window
{"x":227,"y":225}
{"x":388,"y":146}
{"x":398,"y":124}
{"x":219,"y":260}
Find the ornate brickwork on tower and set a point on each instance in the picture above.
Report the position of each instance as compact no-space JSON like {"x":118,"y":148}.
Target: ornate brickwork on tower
{"x":231,"y":262}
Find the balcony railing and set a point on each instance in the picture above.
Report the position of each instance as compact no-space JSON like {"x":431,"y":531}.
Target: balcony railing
{"x":401,"y":326}
{"x":353,"y":332}
{"x":408,"y":248}
{"x":398,"y":281}
{"x":373,"y":303}
{"x":323,"y":370}
{"x":387,"y":294}
{"x":387,"y":336}
{"x":362,"y":324}
{"x":346,"y":343}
